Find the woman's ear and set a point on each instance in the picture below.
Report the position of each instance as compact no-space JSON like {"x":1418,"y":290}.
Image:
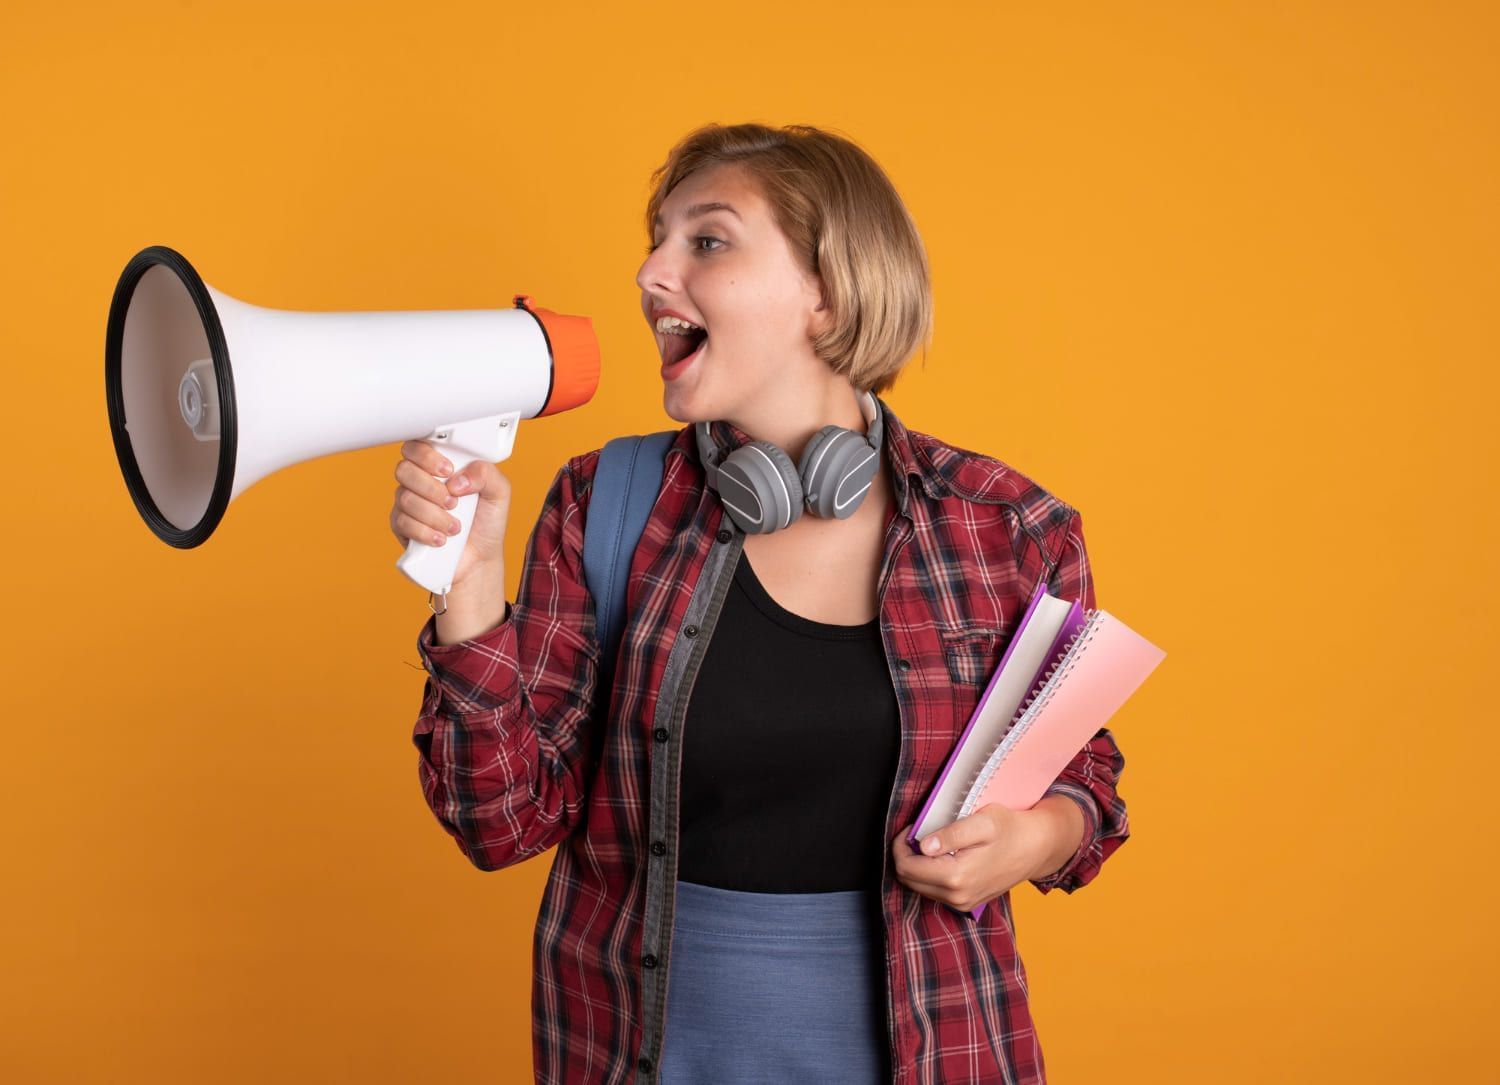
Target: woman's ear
{"x":821,"y":316}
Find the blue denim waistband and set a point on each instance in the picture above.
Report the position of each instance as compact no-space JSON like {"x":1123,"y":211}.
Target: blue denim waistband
{"x":707,"y":909}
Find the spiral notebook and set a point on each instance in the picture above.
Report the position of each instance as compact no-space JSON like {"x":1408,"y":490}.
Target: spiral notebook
{"x":1065,"y":672}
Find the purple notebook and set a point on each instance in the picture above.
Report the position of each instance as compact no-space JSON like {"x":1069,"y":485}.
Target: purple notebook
{"x":1040,"y":641}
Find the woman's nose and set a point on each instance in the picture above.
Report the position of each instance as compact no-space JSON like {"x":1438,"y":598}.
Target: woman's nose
{"x":657,"y":272}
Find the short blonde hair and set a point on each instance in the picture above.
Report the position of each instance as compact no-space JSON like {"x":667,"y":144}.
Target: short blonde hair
{"x":846,"y":224}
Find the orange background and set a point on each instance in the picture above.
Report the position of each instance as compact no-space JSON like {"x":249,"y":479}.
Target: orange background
{"x":1222,"y":276}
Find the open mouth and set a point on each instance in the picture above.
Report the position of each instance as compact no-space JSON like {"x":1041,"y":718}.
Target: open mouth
{"x":676,"y":347}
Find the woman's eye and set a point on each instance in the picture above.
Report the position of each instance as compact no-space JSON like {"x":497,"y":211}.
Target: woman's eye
{"x":703,"y":237}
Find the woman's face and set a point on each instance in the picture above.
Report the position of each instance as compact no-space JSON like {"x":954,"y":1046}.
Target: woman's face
{"x":729,"y":269}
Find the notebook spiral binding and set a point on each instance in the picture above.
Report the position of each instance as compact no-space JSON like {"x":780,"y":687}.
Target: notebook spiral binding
{"x":1035,"y":701}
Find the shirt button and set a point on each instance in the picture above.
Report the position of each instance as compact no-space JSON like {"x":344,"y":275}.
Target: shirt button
{"x":660,"y":734}
{"x":725,"y":535}
{"x":658,"y":848}
{"x":690,"y":631}
{"x":904,"y":664}
{"x":644,"y":1064}
{"x":649,"y":960}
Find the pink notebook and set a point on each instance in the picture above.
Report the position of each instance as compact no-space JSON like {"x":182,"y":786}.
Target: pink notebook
{"x":1012,"y":752}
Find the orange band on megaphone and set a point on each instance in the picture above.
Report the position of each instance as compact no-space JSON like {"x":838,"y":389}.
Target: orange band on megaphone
{"x":575,"y":357}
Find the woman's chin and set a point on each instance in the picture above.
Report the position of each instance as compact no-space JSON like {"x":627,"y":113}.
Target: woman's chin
{"x":679,"y":387}
{"x":677,"y":401}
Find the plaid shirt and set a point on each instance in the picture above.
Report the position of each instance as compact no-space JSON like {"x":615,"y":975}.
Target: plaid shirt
{"x":511,"y":764}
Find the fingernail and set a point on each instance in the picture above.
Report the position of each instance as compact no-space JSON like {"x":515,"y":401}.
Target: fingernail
{"x":451,"y":503}
{"x":445,"y":468}
{"x":460,"y":482}
{"x":454,"y":527}
{"x":930,"y":844}
{"x":437,"y":540}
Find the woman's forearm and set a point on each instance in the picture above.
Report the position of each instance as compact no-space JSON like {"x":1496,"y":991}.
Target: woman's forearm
{"x":1065,"y":832}
{"x":473,"y":609}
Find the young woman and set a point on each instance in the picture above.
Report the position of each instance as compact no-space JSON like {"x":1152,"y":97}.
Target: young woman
{"x":817,"y":602}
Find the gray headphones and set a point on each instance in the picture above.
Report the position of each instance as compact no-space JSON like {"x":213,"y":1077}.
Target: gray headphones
{"x":763,"y":492}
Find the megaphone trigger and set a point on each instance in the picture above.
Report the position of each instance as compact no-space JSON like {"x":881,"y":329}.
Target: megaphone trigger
{"x":491,"y":439}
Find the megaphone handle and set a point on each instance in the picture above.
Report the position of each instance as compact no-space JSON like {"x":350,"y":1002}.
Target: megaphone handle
{"x":462,"y":443}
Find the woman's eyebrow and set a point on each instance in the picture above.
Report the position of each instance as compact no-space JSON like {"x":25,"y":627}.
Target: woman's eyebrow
{"x":698,"y":210}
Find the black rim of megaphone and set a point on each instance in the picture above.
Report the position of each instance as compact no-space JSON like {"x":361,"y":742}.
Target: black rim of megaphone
{"x":165,"y":530}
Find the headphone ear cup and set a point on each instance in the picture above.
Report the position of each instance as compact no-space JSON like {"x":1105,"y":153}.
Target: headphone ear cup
{"x":838,"y":467}
{"x":811,"y":459}
{"x":760,"y":487}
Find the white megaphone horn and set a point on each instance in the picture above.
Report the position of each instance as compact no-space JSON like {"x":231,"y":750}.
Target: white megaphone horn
{"x":208,"y":395}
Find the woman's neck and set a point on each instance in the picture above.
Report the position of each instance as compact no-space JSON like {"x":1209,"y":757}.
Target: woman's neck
{"x":791,"y":426}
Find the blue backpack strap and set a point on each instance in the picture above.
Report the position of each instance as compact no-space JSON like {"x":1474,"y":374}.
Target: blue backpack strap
{"x":626,"y":483}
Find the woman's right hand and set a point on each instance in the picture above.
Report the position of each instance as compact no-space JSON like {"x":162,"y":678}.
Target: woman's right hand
{"x":427,"y":492}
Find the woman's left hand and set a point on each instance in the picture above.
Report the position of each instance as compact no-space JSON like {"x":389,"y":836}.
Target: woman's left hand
{"x":977,"y":858}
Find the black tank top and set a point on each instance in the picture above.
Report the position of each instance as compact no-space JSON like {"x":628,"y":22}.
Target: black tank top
{"x":789,"y":751}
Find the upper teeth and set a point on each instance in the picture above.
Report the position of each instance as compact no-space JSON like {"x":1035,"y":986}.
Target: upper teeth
{"x":675,"y":326}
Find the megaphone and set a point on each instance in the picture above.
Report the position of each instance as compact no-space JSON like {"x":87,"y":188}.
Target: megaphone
{"x":208,"y":395}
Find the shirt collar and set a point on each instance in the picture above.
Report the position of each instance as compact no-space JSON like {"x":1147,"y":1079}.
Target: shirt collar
{"x":901,"y":454}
